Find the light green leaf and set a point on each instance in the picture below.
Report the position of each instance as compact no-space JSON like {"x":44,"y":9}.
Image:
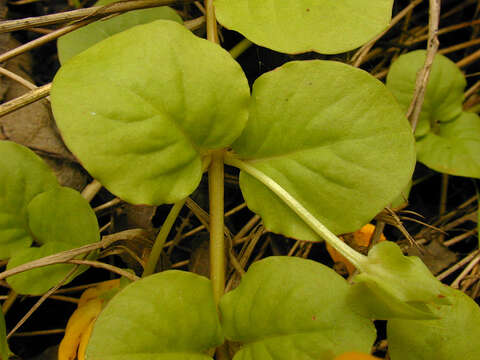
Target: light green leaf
{"x":59,"y":220}
{"x":293,"y":26}
{"x":166,"y":316}
{"x":140,"y":114}
{"x":333,"y":137}
{"x":392,"y":285}
{"x":454,"y":336}
{"x":453,"y":147}
{"x":4,"y":350}
{"x":76,"y":41}
{"x":290,"y":308}
{"x":444,"y":94}
{"x":24,"y":175}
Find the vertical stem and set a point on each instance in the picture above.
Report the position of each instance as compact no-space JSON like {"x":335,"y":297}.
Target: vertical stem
{"x":161,"y":238}
{"x":217,"y":243}
{"x":212,"y":33}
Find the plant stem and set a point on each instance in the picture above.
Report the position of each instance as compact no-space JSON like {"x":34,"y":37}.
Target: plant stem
{"x":357,"y":259}
{"x":217,"y":243}
{"x":162,"y":237}
{"x":238,"y":49}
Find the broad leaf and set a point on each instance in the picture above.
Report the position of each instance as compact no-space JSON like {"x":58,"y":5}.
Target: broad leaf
{"x":140,"y":114}
{"x":444,"y":94}
{"x":392,"y":285}
{"x":453,"y":147}
{"x":76,"y":41}
{"x":293,"y":26}
{"x":290,"y":308}
{"x":333,"y":137}
{"x":24,"y":175}
{"x":454,"y":336}
{"x":170,"y":315}
{"x":59,"y":220}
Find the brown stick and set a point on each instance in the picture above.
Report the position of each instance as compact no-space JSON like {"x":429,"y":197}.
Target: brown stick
{"x":413,"y":112}
{"x":94,"y":11}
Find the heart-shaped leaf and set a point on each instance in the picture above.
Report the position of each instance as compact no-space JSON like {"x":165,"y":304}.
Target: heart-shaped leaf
{"x":76,"y":41}
{"x":444,"y":94}
{"x":166,"y":316}
{"x":293,"y":26}
{"x":333,"y":137}
{"x":59,"y":220}
{"x":453,"y":147}
{"x":290,"y":308}
{"x":392,"y":285}
{"x":453,"y":336}
{"x":24,"y":175}
{"x":140,"y":114}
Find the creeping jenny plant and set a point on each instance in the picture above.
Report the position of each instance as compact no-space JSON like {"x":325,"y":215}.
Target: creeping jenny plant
{"x":322,"y":147}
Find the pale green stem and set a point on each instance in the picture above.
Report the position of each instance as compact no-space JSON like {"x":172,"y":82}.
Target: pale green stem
{"x":217,"y":242}
{"x":239,"y":49}
{"x":357,"y":259}
{"x":162,"y":237}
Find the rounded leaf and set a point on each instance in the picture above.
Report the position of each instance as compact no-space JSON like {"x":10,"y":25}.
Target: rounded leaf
{"x":453,"y":147}
{"x":24,"y":175}
{"x":293,"y":26}
{"x":333,"y":137}
{"x":444,"y":94}
{"x":169,"y":315}
{"x":140,"y":114}
{"x":393,"y":285}
{"x":59,"y":220}
{"x":76,"y":41}
{"x":290,"y":308}
{"x":453,"y":336}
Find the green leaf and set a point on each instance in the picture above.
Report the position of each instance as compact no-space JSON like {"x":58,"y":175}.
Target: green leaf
{"x":4,"y":350}
{"x":453,"y":147}
{"x":59,"y":220}
{"x":392,"y":285}
{"x":24,"y":175}
{"x":454,"y":336}
{"x":444,"y":94}
{"x":290,"y":308}
{"x":140,"y":114}
{"x":76,"y":41}
{"x":292,"y":26}
{"x":169,"y":315}
{"x":333,"y":137}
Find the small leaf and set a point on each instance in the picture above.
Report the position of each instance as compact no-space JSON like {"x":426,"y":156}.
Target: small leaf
{"x":76,"y":41}
{"x":290,"y":308}
{"x":454,"y":147}
{"x":140,"y":114}
{"x":336,"y":140}
{"x":59,"y":219}
{"x":4,"y":350}
{"x":444,"y":94}
{"x":395,"y":286}
{"x":292,"y":26}
{"x":169,"y":315}
{"x":24,"y":175}
{"x":454,"y":336}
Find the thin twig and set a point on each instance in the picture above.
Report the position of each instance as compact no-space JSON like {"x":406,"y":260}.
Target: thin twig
{"x":101,"y":265}
{"x":41,"y":301}
{"x":357,"y":59}
{"x":415,"y":107}
{"x":25,"y":99}
{"x":94,"y":11}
